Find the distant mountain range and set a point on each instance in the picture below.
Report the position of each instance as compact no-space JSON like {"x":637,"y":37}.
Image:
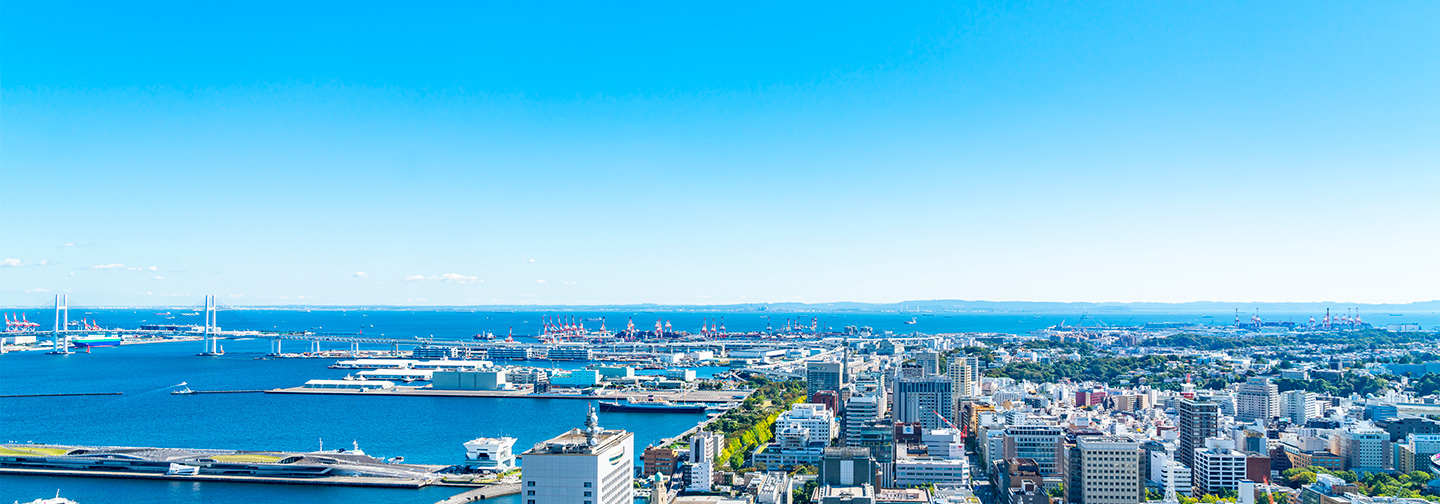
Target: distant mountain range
{"x":951,"y":306}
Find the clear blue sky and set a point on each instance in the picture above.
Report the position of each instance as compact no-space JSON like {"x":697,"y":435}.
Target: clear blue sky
{"x":478,"y":153}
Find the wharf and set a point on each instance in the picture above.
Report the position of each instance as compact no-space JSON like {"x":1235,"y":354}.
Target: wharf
{"x":693,"y":396}
{"x":359,"y":481}
{"x":64,"y":395}
{"x":488,"y":492}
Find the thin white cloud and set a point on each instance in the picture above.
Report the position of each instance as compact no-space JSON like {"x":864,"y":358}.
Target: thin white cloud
{"x":108,"y":266}
{"x":37,"y":290}
{"x":528,"y":261}
{"x":539,"y":281}
{"x":568,"y":283}
{"x":10,"y":263}
{"x":159,"y":278}
{"x":118,"y":266}
{"x":447,"y":277}
{"x":361,"y":274}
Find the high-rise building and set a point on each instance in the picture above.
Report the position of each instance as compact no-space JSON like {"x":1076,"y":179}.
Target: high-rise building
{"x":959,"y":374}
{"x":1037,"y":442}
{"x":974,"y":364}
{"x":1199,"y":420}
{"x":589,"y":466}
{"x":1257,"y":399}
{"x":1299,"y":406}
{"x":926,"y":401}
{"x":1103,"y":470}
{"x":858,"y":411}
{"x":929,"y":362}
{"x":823,"y":376}
{"x":1413,"y":454}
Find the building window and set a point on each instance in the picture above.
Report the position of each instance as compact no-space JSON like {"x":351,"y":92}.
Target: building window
{"x":531,"y":483}
{"x":587,"y":484}
{"x":587,"y":494}
{"x":531,"y":492}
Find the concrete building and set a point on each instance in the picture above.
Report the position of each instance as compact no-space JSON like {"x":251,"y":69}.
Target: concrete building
{"x":1218,"y":466}
{"x":470,"y":380}
{"x":1103,"y":470}
{"x":773,"y":487}
{"x":858,"y":411}
{"x":589,"y":466}
{"x":944,"y":443}
{"x":823,"y":376}
{"x":1163,"y":469}
{"x":704,"y":447}
{"x":848,"y":467}
{"x":660,"y":460}
{"x":929,"y":362}
{"x":1257,"y":399}
{"x":920,"y":471}
{"x":1299,"y":406}
{"x":1413,"y":454}
{"x":926,"y":401}
{"x":959,"y":374}
{"x":1037,"y":442}
{"x":1363,"y":448}
{"x":1199,"y":420}
{"x":815,"y":417}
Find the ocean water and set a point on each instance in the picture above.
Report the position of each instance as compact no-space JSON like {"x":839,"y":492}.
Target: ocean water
{"x":422,"y":429}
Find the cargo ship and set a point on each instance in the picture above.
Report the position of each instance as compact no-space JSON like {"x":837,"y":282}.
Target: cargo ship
{"x":96,"y":341}
{"x":632,"y":406}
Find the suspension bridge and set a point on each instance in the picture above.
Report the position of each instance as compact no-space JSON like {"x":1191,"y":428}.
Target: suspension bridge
{"x":64,"y":334}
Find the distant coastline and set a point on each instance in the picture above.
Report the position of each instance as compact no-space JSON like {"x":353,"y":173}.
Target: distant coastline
{"x":923,"y":306}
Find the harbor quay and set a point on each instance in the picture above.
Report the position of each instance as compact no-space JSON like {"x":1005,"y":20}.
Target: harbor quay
{"x":679,"y":396}
{"x":336,"y":467}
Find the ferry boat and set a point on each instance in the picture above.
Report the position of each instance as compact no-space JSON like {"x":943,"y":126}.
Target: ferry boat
{"x":633,"y":406}
{"x":96,"y":341}
{"x":184,"y":391}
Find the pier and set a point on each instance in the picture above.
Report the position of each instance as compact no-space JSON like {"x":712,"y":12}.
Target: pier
{"x":488,"y":492}
{"x":692,"y":396}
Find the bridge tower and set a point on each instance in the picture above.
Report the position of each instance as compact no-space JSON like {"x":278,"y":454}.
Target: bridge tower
{"x":212,"y":328}
{"x":62,"y":326}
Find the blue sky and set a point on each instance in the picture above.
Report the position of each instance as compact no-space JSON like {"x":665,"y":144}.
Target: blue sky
{"x":481,"y":153}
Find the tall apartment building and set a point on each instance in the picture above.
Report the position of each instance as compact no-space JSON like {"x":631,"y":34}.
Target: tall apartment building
{"x":959,"y":374}
{"x":1257,"y":399}
{"x":1413,"y":454}
{"x":1037,"y":442}
{"x":823,"y":376}
{"x":1103,"y":470}
{"x":704,"y":447}
{"x":1199,"y":420}
{"x":1299,"y":406}
{"x":924,"y":401}
{"x":590,"y":466}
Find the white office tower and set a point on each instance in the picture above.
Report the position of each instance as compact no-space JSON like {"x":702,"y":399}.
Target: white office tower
{"x":491,"y":454}
{"x":1108,"y":471}
{"x":1037,"y":442}
{"x":704,"y":447}
{"x":1258,"y":399}
{"x":1170,"y":474}
{"x":1299,"y":406}
{"x":590,"y":466}
{"x":1218,"y":467}
{"x":858,"y":410}
{"x":815,"y":417}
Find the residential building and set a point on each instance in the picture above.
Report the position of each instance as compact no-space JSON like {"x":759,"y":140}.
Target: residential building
{"x":816,"y":417}
{"x":929,"y":362}
{"x":858,"y":411}
{"x":844,"y":466}
{"x":1199,"y":420}
{"x":1363,"y":447}
{"x":1299,"y":406}
{"x":660,"y":460}
{"x":1257,"y":399}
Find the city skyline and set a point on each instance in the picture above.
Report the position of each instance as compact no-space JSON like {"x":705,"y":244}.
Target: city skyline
{"x":487,"y":155}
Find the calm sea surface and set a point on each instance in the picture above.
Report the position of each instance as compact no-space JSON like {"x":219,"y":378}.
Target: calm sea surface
{"x":423,"y":430}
